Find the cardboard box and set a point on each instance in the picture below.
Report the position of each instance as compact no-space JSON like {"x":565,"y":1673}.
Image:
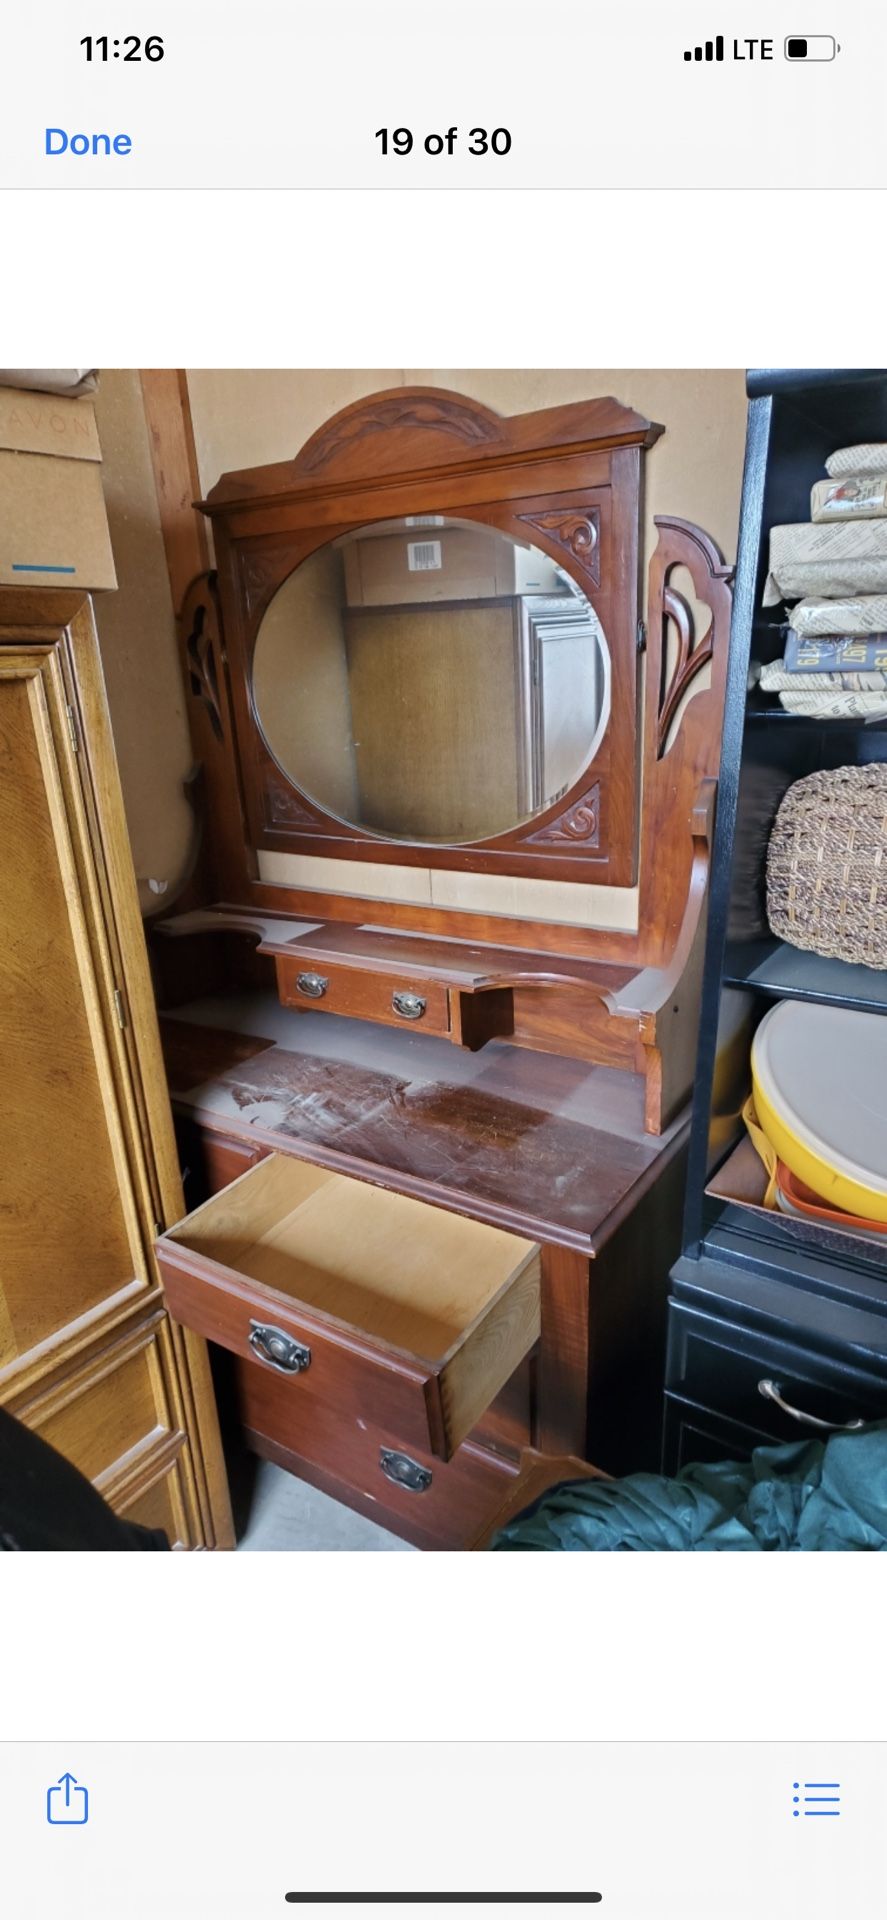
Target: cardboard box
{"x":53,"y":522}
{"x":429,"y":562}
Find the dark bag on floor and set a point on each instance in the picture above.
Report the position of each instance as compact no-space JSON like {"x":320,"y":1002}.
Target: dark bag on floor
{"x":805,"y":1498}
{"x":47,"y":1506}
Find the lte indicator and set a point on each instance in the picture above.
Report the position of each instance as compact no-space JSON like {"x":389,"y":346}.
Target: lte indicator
{"x":740,"y":50}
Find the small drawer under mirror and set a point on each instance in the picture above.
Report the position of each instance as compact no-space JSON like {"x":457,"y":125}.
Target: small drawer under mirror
{"x":395,"y":1000}
{"x":371,"y":1303}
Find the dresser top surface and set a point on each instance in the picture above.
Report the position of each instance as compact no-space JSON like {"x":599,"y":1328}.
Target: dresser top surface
{"x":551,"y":1147}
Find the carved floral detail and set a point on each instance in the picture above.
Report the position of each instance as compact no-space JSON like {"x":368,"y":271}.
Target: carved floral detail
{"x":284,"y":807}
{"x":690,"y":660}
{"x":442,"y":416}
{"x":577,"y":531}
{"x":256,"y":578}
{"x":579,"y":826}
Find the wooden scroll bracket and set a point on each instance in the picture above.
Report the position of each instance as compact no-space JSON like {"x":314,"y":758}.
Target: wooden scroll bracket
{"x":682,"y":744}
{"x":664,"y":1001}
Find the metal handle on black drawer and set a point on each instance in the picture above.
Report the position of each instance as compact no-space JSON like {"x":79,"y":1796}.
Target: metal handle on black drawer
{"x":771,"y":1390}
{"x":410,"y":1006}
{"x":312,"y":984}
{"x":404,"y":1471}
{"x":278,"y":1349}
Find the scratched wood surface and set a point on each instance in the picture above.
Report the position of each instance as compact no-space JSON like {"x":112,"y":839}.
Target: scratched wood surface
{"x":547,"y":1146}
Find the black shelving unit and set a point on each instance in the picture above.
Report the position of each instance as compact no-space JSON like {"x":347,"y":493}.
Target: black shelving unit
{"x":762,"y":1303}
{"x":786,"y":973}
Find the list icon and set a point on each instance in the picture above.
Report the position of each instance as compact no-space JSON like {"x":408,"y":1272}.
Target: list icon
{"x":816,"y":1799}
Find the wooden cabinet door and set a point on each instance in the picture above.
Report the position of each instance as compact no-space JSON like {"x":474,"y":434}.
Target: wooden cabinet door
{"x":87,"y":1161}
{"x":71,"y":1237}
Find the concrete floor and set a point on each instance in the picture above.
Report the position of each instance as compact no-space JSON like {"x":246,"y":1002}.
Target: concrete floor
{"x":287,"y":1516}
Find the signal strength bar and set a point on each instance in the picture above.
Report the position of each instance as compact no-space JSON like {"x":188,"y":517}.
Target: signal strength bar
{"x":713,"y":50}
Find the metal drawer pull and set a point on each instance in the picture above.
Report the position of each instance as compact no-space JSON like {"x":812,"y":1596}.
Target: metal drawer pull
{"x":404,"y":1471}
{"x":410,"y":1006}
{"x":771,"y":1390}
{"x":278,"y":1349}
{"x":312,"y":984}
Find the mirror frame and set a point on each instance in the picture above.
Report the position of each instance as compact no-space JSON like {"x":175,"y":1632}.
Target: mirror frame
{"x":568,"y":479}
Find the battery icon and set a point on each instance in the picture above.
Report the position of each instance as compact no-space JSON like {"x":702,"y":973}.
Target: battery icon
{"x":810,"y":46}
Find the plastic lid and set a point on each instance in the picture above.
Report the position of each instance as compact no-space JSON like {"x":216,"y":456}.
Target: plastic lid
{"x":824,"y":1072}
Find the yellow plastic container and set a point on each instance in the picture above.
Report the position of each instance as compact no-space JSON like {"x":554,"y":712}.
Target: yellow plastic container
{"x":820,"y":1091}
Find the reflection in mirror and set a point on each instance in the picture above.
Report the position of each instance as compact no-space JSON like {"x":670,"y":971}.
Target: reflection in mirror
{"x":431,"y":679}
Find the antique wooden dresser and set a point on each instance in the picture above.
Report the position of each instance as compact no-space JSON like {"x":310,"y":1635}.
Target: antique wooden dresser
{"x":429,"y":998}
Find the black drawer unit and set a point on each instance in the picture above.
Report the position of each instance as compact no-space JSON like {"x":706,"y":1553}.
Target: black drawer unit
{"x":757,"y":1360}
{"x":691,"y":1436}
{"x":777,"y":1328}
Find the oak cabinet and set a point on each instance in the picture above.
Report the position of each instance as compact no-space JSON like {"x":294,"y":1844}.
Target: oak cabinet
{"x":87,"y":1160}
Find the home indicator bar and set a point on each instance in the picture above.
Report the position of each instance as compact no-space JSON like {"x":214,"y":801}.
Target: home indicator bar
{"x":448,"y":1899}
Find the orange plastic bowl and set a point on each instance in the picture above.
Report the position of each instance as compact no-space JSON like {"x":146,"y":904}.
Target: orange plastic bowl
{"x":802,"y":1199}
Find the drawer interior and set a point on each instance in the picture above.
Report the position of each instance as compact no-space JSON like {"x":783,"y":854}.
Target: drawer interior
{"x":402,"y":1272}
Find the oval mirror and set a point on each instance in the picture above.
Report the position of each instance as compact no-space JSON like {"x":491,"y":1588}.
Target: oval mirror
{"x":431,"y":679}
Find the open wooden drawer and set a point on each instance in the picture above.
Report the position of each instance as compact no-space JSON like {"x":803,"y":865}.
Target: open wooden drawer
{"x":382,"y":1307}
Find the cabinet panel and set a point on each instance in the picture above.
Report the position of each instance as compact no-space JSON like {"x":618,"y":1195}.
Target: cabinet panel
{"x":161,"y":1505}
{"x":69,"y":1230}
{"x":118,"y":1406}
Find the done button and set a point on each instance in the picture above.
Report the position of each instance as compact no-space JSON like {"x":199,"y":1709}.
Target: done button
{"x":58,"y":141}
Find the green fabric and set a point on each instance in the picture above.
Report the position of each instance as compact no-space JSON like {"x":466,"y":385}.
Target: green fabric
{"x":807,"y":1498}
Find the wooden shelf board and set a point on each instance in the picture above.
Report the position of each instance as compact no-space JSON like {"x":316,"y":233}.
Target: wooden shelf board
{"x":471,"y":968}
{"x":787,"y":973}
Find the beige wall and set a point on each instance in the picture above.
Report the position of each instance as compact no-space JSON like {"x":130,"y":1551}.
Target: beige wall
{"x":244,"y":418}
{"x":138,"y":644}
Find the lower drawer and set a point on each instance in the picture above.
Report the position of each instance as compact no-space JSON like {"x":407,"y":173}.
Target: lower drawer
{"x":694,"y":1435}
{"x":429,"y":1501}
{"x":773,"y":1387}
{"x":371,"y":1304}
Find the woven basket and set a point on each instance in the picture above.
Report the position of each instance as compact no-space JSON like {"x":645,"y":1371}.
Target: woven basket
{"x":827,"y":865}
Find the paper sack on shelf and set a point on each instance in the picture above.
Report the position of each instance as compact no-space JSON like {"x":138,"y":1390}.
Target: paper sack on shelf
{"x":870,"y":457}
{"x":829,"y":560}
{"x":855,"y":614}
